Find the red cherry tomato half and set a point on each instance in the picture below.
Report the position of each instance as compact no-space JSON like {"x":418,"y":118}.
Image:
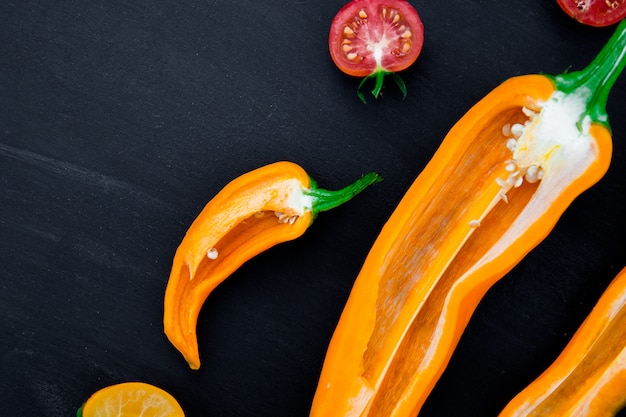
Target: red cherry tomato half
{"x":374,"y":38}
{"x":595,"y":12}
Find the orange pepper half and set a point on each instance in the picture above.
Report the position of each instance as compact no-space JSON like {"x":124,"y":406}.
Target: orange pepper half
{"x":495,"y":188}
{"x":589,"y":376}
{"x":272,"y":204}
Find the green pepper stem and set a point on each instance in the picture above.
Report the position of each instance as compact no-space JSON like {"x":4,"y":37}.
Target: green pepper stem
{"x":599,"y":76}
{"x":323,"y":200}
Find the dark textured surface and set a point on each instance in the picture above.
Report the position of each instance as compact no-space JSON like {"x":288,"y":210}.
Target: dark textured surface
{"x":120,"y":119}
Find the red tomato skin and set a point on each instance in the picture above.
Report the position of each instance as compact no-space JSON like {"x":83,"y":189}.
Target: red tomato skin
{"x":399,"y":53}
{"x":598,"y":13}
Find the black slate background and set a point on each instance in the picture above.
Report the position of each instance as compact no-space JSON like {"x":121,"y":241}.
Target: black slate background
{"x":120,"y":119}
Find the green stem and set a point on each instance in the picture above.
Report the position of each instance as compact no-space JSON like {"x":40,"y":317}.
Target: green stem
{"x":379,"y":77}
{"x":378,"y":85}
{"x":323,"y":200}
{"x":599,"y":76}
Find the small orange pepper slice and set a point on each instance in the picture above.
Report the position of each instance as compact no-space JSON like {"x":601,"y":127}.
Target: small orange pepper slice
{"x":272,"y":204}
{"x":589,"y":376}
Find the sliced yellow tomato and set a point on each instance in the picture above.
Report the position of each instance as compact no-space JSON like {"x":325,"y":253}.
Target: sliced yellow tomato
{"x":131,"y":399}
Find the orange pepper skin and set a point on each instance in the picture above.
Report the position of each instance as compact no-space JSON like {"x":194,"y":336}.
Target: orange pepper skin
{"x":589,"y":376}
{"x":270,"y":205}
{"x":429,"y":267}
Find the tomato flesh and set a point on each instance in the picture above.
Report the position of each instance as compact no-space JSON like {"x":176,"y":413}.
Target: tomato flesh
{"x":595,"y":12}
{"x":375,"y":38}
{"x":371,"y":35}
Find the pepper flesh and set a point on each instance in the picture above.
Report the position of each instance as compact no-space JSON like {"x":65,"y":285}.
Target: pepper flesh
{"x":589,"y":376}
{"x":462,"y":226}
{"x":272,"y":204}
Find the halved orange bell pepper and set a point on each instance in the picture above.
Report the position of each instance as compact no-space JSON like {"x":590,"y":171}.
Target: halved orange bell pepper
{"x":495,"y":188}
{"x":589,"y":376}
{"x":272,"y":204}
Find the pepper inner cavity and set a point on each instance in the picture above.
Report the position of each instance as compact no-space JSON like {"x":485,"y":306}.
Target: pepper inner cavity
{"x":437,"y":232}
{"x":286,"y":218}
{"x":517,"y":173}
{"x":244,"y":240}
{"x":231,"y":240}
{"x":246,"y":229}
{"x":608,"y":347}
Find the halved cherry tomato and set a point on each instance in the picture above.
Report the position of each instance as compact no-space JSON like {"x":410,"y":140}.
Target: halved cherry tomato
{"x":375,"y":38}
{"x":595,"y":12}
